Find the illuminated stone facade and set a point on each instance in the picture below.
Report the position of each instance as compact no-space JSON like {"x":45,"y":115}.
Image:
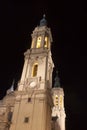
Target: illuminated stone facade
{"x":35,"y":104}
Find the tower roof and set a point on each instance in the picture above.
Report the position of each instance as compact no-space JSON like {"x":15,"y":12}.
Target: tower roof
{"x":43,"y":21}
{"x":57,"y":82}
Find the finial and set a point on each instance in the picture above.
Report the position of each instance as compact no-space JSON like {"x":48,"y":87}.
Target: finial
{"x":57,"y":82}
{"x":11,"y":88}
{"x":44,"y":16}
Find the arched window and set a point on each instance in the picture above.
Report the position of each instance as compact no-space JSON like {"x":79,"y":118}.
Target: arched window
{"x":46,"y":42}
{"x":56,"y":100}
{"x":34,"y":69}
{"x":38,"y":42}
{"x":10,"y":116}
{"x":61,"y":101}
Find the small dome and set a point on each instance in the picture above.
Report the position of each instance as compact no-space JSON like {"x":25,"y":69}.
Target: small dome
{"x":43,"y":21}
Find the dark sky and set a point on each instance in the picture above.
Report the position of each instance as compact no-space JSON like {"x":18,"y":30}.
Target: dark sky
{"x":68,"y":23}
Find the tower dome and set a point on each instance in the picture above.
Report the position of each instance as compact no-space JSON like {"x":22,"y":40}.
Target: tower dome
{"x":57,"y":82}
{"x":43,"y":21}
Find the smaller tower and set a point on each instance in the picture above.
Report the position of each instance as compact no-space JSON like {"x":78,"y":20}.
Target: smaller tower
{"x":58,"y":112}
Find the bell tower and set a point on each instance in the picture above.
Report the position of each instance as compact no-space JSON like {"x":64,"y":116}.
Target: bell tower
{"x":32,"y":108}
{"x":38,"y":64}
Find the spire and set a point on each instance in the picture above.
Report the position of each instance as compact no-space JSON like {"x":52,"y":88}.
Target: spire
{"x":43,"y":21}
{"x":11,"y":88}
{"x":57,"y":82}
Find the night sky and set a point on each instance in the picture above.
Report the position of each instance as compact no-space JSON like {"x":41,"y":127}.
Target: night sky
{"x":68,"y":23}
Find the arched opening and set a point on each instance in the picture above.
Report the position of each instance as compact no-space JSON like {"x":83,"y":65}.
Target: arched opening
{"x":56,"y":100}
{"x":61,"y":101}
{"x":38,"y":45}
{"x":34,"y":69}
{"x":46,"y":42}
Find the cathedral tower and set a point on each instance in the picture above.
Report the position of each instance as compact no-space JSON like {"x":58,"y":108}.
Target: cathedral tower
{"x":32,"y":109}
{"x":35,"y":104}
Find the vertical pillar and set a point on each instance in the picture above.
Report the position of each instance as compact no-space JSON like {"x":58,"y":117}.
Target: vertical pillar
{"x":24,"y":69}
{"x":20,"y":87}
